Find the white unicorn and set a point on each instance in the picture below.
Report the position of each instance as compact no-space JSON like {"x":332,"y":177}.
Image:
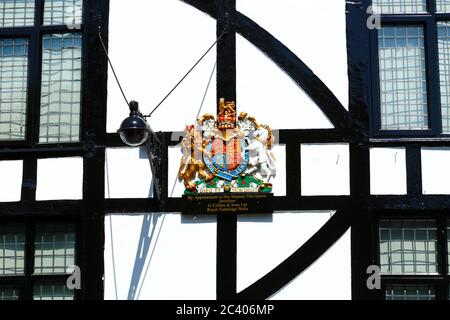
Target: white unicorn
{"x":261,"y":160}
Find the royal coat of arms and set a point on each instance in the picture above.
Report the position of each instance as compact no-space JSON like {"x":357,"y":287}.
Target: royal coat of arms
{"x":229,"y":154}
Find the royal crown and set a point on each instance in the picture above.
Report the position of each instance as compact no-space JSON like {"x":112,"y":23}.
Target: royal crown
{"x":227,"y":115}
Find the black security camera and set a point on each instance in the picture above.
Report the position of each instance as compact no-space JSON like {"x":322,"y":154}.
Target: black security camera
{"x":134,"y":130}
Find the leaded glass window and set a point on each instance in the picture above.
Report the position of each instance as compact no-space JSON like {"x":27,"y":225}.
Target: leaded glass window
{"x":63,"y":12}
{"x":61,"y":68}
{"x":12,"y":250}
{"x":13,"y":88}
{"x":16,"y":13}
{"x":61,"y":88}
{"x":52,"y":291}
{"x":399,"y":6}
{"x":444,"y":72}
{"x":443,"y":5}
{"x":403,"y":88}
{"x":410,"y":293}
{"x":448,"y":246}
{"x":408,"y":247}
{"x":7,"y":293}
{"x":54,"y":249}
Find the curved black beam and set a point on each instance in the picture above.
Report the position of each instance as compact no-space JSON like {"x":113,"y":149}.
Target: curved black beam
{"x":336,"y":113}
{"x":297,"y":70}
{"x":300,"y":260}
{"x":206,"y":6}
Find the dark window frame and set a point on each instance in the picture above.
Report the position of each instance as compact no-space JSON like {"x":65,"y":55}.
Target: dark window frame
{"x":89,"y":212}
{"x":34,"y":34}
{"x":439,"y":282}
{"x":429,"y":22}
{"x":25,"y":282}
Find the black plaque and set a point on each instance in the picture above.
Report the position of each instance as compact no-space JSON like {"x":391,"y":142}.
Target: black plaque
{"x":228,"y":203}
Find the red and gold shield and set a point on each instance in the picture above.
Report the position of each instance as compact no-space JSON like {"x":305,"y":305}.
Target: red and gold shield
{"x":227,"y":155}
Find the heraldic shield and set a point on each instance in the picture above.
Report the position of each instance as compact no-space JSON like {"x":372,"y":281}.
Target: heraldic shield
{"x":228,"y":155}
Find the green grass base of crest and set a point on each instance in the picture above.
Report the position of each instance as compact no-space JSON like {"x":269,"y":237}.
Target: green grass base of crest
{"x":242,"y":182}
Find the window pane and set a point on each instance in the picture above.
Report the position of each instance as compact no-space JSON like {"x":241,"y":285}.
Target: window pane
{"x":61,"y":88}
{"x":408,"y":247}
{"x":448,"y":245}
{"x":63,"y":12}
{"x":444,"y":72}
{"x":9,"y":294}
{"x":52,"y":291}
{"x":54,"y":249}
{"x":12,"y":250}
{"x":443,"y":5}
{"x":403,"y":88}
{"x":399,"y":6}
{"x":16,"y":13}
{"x":410,"y":293}
{"x":13,"y":88}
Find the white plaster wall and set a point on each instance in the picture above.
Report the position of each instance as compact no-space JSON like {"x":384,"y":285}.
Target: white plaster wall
{"x":435,"y":172}
{"x":152,"y":45}
{"x":176,"y":188}
{"x":325,"y":169}
{"x":183,"y":264}
{"x":388,"y":171}
{"x":180,"y":256}
{"x":267,"y":93}
{"x":122,"y":235}
{"x":118,"y":165}
{"x":11,"y":180}
{"x":263,"y":242}
{"x":320,"y":43}
{"x":59,"y":179}
{"x":329,"y":278}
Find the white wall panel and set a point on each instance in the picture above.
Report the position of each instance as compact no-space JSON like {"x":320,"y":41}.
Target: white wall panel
{"x":325,"y":169}
{"x":329,"y":278}
{"x":152,"y":45}
{"x":180,"y":257}
{"x":60,"y":179}
{"x":279,"y":182}
{"x":266,"y":92}
{"x":122,"y":235}
{"x":176,"y":188}
{"x":127,"y":173}
{"x":435,"y":170}
{"x":388,"y":171}
{"x":10,"y":180}
{"x":263,"y":242}
{"x":319,"y":42}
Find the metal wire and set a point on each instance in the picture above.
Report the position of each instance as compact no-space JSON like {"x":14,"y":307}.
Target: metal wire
{"x":112,"y":67}
{"x":173,"y":190}
{"x":185,"y":76}
{"x":174,"y":88}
